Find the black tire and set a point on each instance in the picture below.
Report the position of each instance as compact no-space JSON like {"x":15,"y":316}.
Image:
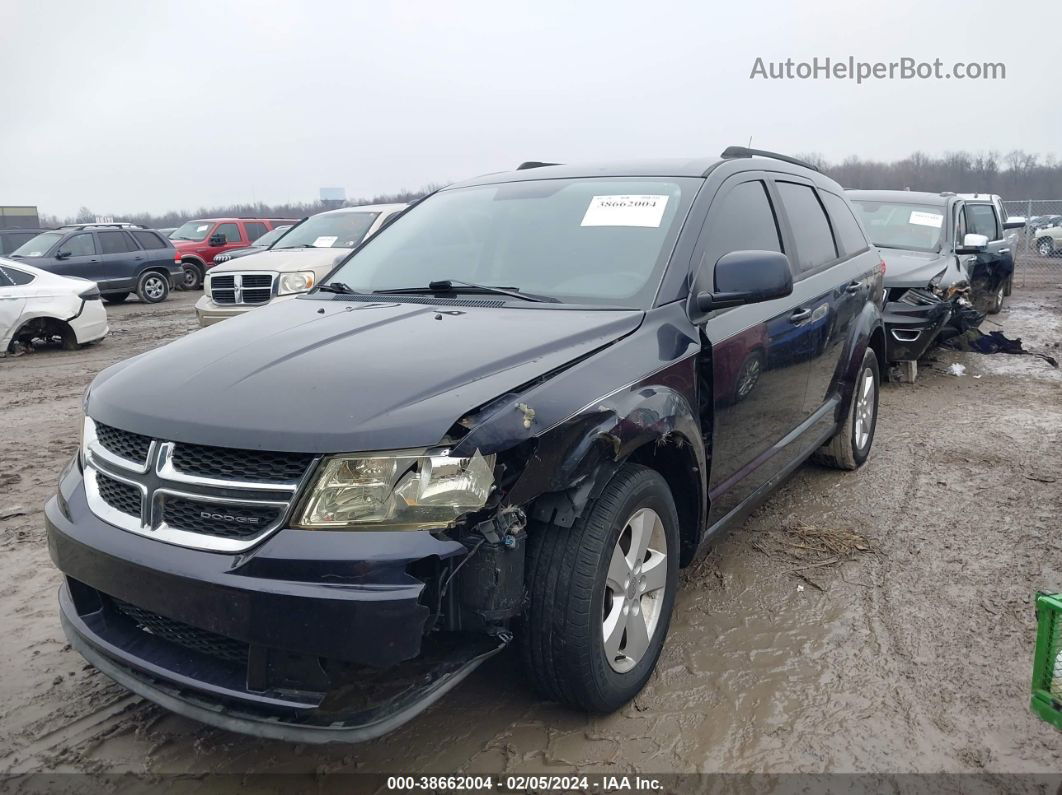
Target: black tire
{"x":193,"y":276}
{"x":844,"y":450}
{"x":562,"y":635}
{"x":153,"y":287}
{"x":1010,"y":286}
{"x":748,"y":376}
{"x":996,"y":303}
{"x":1045,"y":247}
{"x":115,"y":298}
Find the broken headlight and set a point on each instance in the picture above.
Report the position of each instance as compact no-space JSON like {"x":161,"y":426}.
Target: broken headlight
{"x":404,"y":490}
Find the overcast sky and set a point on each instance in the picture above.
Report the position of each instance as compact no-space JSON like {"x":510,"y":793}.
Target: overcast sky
{"x":152,"y":105}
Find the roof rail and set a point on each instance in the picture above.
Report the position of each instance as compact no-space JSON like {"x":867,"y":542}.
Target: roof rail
{"x":115,"y":225}
{"x":732,"y":152}
{"x":534,"y":164}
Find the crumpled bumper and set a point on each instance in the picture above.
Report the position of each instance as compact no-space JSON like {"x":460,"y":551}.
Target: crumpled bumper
{"x":281,"y":641}
{"x":911,"y":329}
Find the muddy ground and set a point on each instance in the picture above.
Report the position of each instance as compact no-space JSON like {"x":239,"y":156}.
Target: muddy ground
{"x":914,"y":655}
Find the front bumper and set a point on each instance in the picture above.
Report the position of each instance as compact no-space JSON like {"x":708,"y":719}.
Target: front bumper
{"x":263,"y":641}
{"x":208,"y":313}
{"x":910,"y":330}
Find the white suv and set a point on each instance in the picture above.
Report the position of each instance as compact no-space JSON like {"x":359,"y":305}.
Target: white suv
{"x":292,"y":265}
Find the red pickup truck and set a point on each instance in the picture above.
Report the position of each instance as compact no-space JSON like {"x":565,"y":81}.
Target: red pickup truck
{"x":198,"y":242}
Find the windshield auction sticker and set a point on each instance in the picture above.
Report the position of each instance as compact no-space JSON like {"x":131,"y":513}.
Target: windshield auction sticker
{"x":625,"y":211}
{"x":325,"y":241}
{"x":926,"y":219}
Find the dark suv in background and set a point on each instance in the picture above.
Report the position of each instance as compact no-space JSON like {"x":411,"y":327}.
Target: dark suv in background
{"x":11,"y":239}
{"x":121,"y":259}
{"x":514,"y":413}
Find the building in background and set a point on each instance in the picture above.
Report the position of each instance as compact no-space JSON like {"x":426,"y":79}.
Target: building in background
{"x":15,"y":217}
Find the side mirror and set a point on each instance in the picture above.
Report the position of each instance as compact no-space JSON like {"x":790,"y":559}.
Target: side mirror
{"x":1014,"y":222}
{"x":972,"y":244}
{"x":217,"y":240}
{"x":747,"y":277}
{"x":62,"y":255}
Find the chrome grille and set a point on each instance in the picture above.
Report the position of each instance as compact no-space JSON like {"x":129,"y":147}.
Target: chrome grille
{"x":120,"y":496}
{"x":241,"y":288}
{"x":214,"y":498}
{"x":131,"y":446}
{"x":221,"y":521}
{"x":253,"y":465}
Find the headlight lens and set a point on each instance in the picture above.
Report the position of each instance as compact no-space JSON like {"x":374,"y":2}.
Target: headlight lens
{"x":404,"y":490}
{"x":298,"y":282}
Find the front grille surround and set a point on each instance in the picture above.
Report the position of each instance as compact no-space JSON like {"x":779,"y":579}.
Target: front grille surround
{"x":243,"y":288}
{"x":219,"y":510}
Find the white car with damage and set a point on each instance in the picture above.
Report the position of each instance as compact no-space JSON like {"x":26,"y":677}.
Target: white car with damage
{"x":38,"y":305}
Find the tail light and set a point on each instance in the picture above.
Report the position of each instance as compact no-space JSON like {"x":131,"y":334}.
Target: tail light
{"x":177,"y":258}
{"x":882,"y":266}
{"x":91,"y":294}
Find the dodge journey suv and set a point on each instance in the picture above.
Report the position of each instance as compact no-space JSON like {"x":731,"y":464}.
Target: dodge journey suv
{"x":510,"y":417}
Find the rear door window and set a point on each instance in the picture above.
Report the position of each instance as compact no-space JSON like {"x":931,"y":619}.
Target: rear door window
{"x":849,"y":233}
{"x":115,"y":242}
{"x":811,"y":228}
{"x":255,"y":229}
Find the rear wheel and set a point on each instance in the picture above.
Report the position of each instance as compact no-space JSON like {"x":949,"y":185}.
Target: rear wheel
{"x":1045,"y":247}
{"x":115,"y":298}
{"x":152,"y":287}
{"x":851,"y":446}
{"x":1010,"y":285}
{"x":601,"y":594}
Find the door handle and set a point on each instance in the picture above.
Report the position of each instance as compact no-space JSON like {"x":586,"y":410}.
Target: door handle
{"x":853,"y":288}
{"x":799,"y":315}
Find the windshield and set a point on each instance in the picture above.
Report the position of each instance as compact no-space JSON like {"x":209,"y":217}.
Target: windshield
{"x":586,"y":241}
{"x":271,"y":237}
{"x":329,"y":230}
{"x":38,"y":246}
{"x":193,"y":230}
{"x":918,"y":227}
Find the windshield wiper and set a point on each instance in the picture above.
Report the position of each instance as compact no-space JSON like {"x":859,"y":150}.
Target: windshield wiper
{"x":455,"y":285}
{"x":338,"y":287}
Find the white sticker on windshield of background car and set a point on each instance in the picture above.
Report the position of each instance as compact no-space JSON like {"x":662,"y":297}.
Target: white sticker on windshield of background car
{"x":202,"y":227}
{"x":920,"y":218}
{"x":325,"y":241}
{"x":625,"y":211}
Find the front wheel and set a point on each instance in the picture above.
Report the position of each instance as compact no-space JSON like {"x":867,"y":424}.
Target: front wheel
{"x":192,"y":278}
{"x":851,"y":446}
{"x":997,"y":299}
{"x":1045,"y":247}
{"x":152,"y":287}
{"x":601,"y":594}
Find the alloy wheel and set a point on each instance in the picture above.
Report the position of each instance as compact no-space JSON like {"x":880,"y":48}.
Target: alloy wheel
{"x":154,"y":288}
{"x":864,"y":409}
{"x":634,"y":590}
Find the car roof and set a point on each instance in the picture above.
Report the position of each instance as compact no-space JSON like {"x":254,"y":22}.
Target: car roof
{"x":365,"y":208}
{"x":906,"y":196}
{"x":235,"y":218}
{"x":740,"y":158}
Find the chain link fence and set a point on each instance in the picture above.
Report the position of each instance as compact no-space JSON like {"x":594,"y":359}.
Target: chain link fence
{"x":1038,"y":249}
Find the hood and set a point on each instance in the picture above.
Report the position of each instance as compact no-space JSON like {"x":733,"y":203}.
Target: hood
{"x":322,"y":376}
{"x":286,"y":260}
{"x":905,"y":268}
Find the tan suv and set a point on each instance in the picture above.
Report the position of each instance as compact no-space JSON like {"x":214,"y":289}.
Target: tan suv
{"x":292,"y":265}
